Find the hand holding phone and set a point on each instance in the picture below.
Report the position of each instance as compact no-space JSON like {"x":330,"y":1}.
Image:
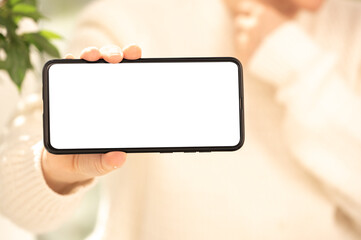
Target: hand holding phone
{"x":146,"y":105}
{"x":64,"y":172}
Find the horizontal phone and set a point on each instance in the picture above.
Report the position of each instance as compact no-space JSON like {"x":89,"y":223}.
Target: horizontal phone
{"x":145,"y":105}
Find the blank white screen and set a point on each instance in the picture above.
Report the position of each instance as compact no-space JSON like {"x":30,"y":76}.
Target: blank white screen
{"x":132,"y":105}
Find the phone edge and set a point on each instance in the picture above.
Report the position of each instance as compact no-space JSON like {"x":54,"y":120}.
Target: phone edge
{"x":46,"y":120}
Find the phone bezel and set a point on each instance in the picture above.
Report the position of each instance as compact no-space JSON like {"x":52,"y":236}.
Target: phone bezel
{"x":46,"y":119}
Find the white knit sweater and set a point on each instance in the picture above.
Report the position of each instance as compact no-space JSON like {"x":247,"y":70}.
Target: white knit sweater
{"x":298,"y":176}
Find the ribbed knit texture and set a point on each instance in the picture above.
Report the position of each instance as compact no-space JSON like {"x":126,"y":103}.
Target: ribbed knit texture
{"x":24,"y":193}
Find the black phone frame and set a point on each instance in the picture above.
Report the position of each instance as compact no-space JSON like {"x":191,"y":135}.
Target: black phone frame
{"x":46,"y":120}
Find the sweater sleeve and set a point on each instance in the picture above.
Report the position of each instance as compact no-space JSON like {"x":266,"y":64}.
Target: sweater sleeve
{"x":322,"y":119}
{"x":25,"y":197}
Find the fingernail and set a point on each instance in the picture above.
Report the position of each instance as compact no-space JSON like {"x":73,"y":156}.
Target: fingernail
{"x":69,"y":56}
{"x":114,"y":160}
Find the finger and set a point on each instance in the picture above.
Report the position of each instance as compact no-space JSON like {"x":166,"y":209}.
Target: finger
{"x":98,"y":164}
{"x":90,"y":54}
{"x":111,"y":53}
{"x":69,"y":56}
{"x":114,"y":159}
{"x":132,"y":52}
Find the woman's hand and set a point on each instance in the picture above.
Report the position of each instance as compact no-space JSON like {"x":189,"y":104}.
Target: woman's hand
{"x":64,"y":172}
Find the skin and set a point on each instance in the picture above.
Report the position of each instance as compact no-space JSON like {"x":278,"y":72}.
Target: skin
{"x":64,"y":172}
{"x":283,"y":5}
{"x":254,"y":20}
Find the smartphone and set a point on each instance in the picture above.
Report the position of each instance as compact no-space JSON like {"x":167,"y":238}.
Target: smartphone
{"x":145,"y":105}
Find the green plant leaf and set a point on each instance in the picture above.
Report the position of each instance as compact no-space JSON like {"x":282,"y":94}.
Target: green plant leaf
{"x":26,"y":10}
{"x":2,"y":41}
{"x":17,"y":62}
{"x":41,"y":43}
{"x":2,"y":65}
{"x":2,"y":20}
{"x":17,"y":47}
{"x":32,"y":2}
{"x":13,"y":2}
{"x":49,"y":34}
{"x":8,"y":23}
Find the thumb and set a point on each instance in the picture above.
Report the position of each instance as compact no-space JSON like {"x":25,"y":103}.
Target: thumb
{"x":93,"y":165}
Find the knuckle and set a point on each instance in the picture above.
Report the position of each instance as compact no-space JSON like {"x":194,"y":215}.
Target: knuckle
{"x":89,"y":166}
{"x":75,"y":166}
{"x":99,"y":167}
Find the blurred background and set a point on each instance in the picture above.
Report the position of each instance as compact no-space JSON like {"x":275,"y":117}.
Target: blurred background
{"x":60,"y":18}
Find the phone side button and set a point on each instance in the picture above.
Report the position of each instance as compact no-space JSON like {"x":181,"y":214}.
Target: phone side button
{"x":166,"y":152}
